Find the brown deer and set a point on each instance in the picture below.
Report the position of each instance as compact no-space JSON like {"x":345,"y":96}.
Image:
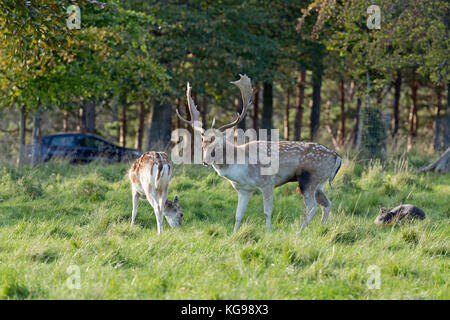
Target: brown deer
{"x":307,"y":163}
{"x":150,"y":176}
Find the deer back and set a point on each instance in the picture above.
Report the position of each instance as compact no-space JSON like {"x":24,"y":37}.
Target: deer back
{"x":153,"y":169}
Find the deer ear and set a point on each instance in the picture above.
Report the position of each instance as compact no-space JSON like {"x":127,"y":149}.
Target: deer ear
{"x":175,"y":199}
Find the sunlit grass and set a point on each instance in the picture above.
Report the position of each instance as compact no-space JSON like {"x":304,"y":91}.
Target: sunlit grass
{"x":56,"y":216}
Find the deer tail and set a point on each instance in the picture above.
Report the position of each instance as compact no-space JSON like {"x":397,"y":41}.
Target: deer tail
{"x":336,"y":168}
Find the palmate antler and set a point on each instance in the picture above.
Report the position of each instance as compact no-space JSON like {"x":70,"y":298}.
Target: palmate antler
{"x":245,"y":85}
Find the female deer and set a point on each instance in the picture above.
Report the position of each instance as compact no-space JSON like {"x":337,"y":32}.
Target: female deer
{"x":150,"y":177}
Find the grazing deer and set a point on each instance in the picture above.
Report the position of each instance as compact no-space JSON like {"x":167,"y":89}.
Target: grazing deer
{"x":150,"y":176}
{"x":307,"y":163}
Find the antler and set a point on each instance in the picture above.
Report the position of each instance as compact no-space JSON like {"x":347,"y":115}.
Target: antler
{"x":245,"y":85}
{"x":195,"y":114}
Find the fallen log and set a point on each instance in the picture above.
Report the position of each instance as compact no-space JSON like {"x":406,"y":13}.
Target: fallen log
{"x":440,"y":165}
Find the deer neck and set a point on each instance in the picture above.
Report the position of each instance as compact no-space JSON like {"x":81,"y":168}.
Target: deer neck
{"x":229,"y":170}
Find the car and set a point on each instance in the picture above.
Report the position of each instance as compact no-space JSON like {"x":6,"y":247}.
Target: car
{"x":83,"y":147}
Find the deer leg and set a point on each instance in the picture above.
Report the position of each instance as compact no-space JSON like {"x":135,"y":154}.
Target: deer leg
{"x":135,"y":196}
{"x":162,"y":201}
{"x":243,"y":197}
{"x":311,"y":207}
{"x":324,"y":203}
{"x":159,"y":220}
{"x":158,"y":213}
{"x":268,"y":204}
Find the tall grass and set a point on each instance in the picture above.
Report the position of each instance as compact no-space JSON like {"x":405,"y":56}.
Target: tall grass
{"x":56,"y":216}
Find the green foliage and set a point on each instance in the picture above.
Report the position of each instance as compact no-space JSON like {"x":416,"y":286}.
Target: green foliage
{"x":46,"y":65}
{"x":34,"y":42}
{"x":412,"y":37}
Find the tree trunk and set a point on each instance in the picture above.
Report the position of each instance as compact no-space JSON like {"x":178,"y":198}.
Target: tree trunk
{"x":447,"y":136}
{"x":437,"y":120}
{"x":154,"y":133}
{"x":36,"y":138}
{"x":286,"y":115}
{"x":413,"y":120}
{"x":89,"y":106}
{"x":204,"y":111}
{"x":22,"y":131}
{"x":342,"y":129}
{"x":81,"y":127}
{"x":267,"y":107}
{"x":66,"y":121}
{"x":357,"y":129}
{"x":141,"y":124}
{"x":166,"y":129}
{"x":300,"y":100}
{"x":255,"y":108}
{"x":440,"y":165}
{"x":397,"y":88}
{"x":123,"y":126}
{"x":315,"y":108}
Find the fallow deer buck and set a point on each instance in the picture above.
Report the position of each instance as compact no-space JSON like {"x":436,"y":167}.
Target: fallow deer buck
{"x":150,"y":176}
{"x":307,"y":163}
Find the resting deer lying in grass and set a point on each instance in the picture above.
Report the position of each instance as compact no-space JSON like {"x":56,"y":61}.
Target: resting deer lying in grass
{"x":150,"y":176}
{"x":309,"y":164}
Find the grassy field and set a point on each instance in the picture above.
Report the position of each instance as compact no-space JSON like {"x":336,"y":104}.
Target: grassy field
{"x":56,"y":216}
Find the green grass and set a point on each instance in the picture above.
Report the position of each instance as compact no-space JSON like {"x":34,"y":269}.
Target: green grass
{"x":56,"y":216}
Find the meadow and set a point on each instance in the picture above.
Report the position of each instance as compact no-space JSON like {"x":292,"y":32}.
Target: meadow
{"x":56,"y":216}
